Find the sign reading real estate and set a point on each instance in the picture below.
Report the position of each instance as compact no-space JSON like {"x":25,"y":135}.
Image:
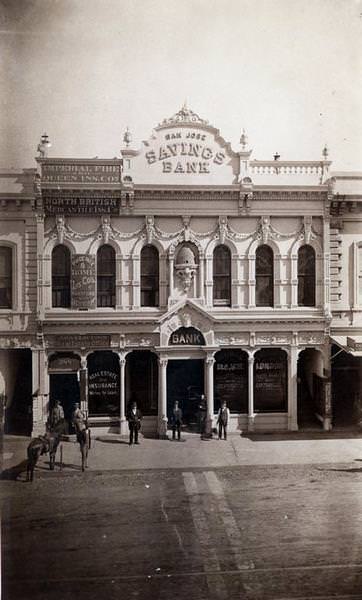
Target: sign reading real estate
{"x":83,"y":281}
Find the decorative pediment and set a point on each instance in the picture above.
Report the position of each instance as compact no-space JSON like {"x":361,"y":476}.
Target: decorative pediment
{"x":186,"y":315}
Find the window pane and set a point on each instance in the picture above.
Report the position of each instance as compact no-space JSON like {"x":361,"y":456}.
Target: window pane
{"x":222,"y":275}
{"x":61,"y":277}
{"x":149,"y":276}
{"x":5,"y":277}
{"x":306,"y":276}
{"x":264,"y":276}
{"x":106,"y":277}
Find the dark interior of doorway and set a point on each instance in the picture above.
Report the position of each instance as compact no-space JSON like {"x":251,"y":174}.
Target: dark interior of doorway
{"x":185,"y":383}
{"x":65,"y":388}
{"x":307,"y":418}
{"x":18,"y":414}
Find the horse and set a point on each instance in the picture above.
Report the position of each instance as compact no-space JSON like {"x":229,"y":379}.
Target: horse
{"x":84,"y":441}
{"x":42,"y":444}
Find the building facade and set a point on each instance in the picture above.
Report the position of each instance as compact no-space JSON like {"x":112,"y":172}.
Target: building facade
{"x":178,"y":269}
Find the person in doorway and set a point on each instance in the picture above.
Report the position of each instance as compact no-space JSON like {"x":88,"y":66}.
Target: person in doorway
{"x":176,"y":421}
{"x":78,"y":419}
{"x":223,"y":420}
{"x":56,"y":417}
{"x":134,"y":417}
{"x":202,"y":410}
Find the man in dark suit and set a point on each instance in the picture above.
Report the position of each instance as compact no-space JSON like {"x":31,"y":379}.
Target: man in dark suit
{"x":134,"y":417}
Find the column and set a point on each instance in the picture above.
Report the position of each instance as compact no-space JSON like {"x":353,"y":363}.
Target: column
{"x":162,"y":397}
{"x":40,"y":391}
{"x":209,"y":385}
{"x":119,"y":283}
{"x":170,"y":277}
{"x":251,"y":281}
{"x":294,"y":281}
{"x":326,"y":269}
{"x":292,"y":389}
{"x":136,"y":282}
{"x":327,"y":389}
{"x":209,"y":281}
{"x":201,"y":277}
{"x":83,"y":384}
{"x":163,"y":280}
{"x":122,"y":394}
{"x":251,"y":414}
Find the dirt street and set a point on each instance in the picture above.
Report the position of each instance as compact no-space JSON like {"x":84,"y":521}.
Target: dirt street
{"x":251,"y":532}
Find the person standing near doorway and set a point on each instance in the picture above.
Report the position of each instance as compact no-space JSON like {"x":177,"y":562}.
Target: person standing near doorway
{"x":202,"y":410}
{"x":223,"y":420}
{"x":176,"y":421}
{"x":56,"y":417}
{"x":134,"y":417}
{"x":78,"y":419}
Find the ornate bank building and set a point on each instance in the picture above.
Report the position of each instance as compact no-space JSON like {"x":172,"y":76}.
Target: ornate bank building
{"x":181,"y":268}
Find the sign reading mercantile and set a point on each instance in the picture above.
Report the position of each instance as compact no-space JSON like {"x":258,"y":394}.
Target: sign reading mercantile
{"x":83,"y":281}
{"x":78,"y":341}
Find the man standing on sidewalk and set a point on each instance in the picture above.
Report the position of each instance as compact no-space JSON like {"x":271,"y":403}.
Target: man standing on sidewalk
{"x":176,"y":421}
{"x":134,"y":423}
{"x":223,"y":419}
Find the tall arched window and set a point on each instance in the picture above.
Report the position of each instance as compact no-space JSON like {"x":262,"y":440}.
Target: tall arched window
{"x":106,"y":276}
{"x":149,"y":276}
{"x":264,"y":276}
{"x":222,"y":276}
{"x":306,"y":276}
{"x":61,"y":277}
{"x":6,"y":277}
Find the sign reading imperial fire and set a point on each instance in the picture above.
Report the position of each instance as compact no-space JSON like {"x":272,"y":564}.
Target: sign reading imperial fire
{"x":83,"y":281}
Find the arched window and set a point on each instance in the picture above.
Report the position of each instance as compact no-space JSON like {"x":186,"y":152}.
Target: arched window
{"x":61,"y":277}
{"x":149,"y":276}
{"x":222,"y":276}
{"x":306,"y":276}
{"x":264,"y":276}
{"x":6,"y":277}
{"x":106,"y":276}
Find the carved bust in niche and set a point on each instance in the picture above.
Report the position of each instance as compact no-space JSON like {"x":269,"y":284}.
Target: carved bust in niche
{"x":186,"y":266}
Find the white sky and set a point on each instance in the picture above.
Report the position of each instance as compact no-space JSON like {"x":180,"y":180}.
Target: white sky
{"x":289,"y":71}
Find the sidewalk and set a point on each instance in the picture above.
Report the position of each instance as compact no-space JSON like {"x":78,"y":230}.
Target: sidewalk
{"x":111,"y":452}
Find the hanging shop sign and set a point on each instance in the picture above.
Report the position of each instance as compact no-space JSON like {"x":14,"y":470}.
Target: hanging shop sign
{"x":85,"y":172}
{"x":81,"y":202}
{"x":64,"y":364}
{"x":83,"y":281}
{"x":187,"y":336}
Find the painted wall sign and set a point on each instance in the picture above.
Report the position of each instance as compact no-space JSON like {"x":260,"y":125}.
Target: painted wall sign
{"x":80,"y":202}
{"x":83,"y":281}
{"x":187,"y":336}
{"x":73,"y":172}
{"x":186,"y":151}
{"x":77,"y":341}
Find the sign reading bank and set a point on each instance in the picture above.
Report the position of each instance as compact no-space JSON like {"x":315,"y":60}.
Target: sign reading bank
{"x":185,"y":149}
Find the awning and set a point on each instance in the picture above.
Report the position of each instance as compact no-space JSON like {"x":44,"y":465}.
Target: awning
{"x":350,"y":344}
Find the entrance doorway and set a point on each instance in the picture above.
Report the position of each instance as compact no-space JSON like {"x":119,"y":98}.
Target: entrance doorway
{"x":185,"y":383}
{"x":309,"y":375}
{"x":65,"y":388}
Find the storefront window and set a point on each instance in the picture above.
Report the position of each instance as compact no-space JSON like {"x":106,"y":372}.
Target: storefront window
{"x":106,"y":276}
{"x":270,"y":381}
{"x":264,"y":275}
{"x":231,"y":380}
{"x":6,"y":277}
{"x":142,"y":381}
{"x":61,"y":277}
{"x":222,"y":276}
{"x":306,"y":276}
{"x":103,"y":384}
{"x":149,"y":276}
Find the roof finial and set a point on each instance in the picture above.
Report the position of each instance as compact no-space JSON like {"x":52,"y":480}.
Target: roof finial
{"x":243,"y":139}
{"x":127,"y":137}
{"x":43,"y":145}
{"x":325,"y":152}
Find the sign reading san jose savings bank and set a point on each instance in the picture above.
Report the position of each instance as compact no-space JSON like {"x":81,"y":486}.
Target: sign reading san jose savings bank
{"x":184,"y":149}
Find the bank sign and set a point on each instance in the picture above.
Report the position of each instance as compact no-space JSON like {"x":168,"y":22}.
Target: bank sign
{"x":185,"y":154}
